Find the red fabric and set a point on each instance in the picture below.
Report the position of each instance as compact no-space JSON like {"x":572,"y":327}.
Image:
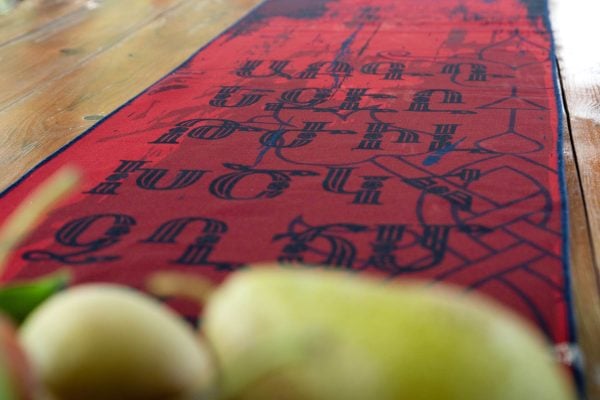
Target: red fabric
{"x":412,"y":139}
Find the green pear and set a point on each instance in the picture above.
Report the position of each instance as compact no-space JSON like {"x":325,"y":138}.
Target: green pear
{"x":311,"y":335}
{"x":107,"y":342}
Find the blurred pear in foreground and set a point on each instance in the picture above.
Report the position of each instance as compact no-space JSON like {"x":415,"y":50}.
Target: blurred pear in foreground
{"x":314,"y":335}
{"x":106,"y":342}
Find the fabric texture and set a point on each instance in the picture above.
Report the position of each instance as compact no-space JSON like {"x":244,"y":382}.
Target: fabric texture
{"x":408,"y":139}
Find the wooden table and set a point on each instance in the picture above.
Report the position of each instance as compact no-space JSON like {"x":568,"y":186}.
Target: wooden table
{"x":64,"y":64}
{"x":579,"y":65}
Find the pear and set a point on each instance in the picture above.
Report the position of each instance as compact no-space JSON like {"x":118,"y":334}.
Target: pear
{"x":310,"y":335}
{"x":17,"y":381}
{"x":102,"y":341}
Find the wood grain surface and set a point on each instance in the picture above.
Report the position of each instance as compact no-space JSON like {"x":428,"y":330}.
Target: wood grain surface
{"x":62,"y":75}
{"x":575,"y":24}
{"x":65,"y":64}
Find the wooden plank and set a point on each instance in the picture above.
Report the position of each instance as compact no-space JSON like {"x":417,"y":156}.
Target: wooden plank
{"x":31,"y":16}
{"x":60,"y":109}
{"x":575,"y":23}
{"x":583,"y":274}
{"x":61,"y":47}
{"x":580,"y":73}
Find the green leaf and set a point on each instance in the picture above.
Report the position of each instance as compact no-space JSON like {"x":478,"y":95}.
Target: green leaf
{"x":19,"y":299}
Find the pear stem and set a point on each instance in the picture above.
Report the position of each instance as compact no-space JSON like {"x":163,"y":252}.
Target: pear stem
{"x":172,"y":283}
{"x":33,"y":209}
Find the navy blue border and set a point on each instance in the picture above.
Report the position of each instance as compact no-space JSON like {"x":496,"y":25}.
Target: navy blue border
{"x":128,"y":102}
{"x":578,"y":372}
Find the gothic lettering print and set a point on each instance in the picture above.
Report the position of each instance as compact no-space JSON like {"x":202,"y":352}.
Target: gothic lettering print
{"x":369,"y":136}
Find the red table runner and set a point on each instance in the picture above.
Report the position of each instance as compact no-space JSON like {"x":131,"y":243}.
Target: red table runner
{"x":412,"y":139}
